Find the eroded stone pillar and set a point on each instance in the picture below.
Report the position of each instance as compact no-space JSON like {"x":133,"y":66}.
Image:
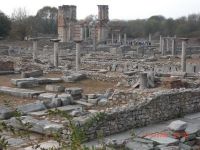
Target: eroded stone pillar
{"x":125,"y":38}
{"x":119,"y":38}
{"x":173,"y":46}
{"x":163,"y":47}
{"x":35,"y":49}
{"x":149,"y":37}
{"x":167,"y":44}
{"x":183,"y":55}
{"x":55,"y":51}
{"x":143,"y":80}
{"x":78,"y":47}
{"x":112,"y":38}
{"x":160,"y":43}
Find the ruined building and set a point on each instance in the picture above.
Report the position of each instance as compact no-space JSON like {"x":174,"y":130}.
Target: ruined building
{"x":68,"y":24}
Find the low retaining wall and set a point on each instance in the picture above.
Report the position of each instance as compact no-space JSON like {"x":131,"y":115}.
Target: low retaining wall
{"x":161,"y":106}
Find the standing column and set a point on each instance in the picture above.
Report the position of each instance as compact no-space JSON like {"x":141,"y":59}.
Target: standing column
{"x":149,"y":37}
{"x":119,"y":37}
{"x":55,"y":51}
{"x":125,"y":38}
{"x":183,"y":55}
{"x":163,"y":46}
{"x":85,"y":32}
{"x":167,"y":44}
{"x":78,"y":47}
{"x":173,"y":46}
{"x":143,"y":81}
{"x":112,"y":38}
{"x":35,"y":49}
{"x":94,"y":39}
{"x":160,"y":43}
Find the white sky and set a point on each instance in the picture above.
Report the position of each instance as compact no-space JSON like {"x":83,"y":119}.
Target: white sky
{"x":118,"y":9}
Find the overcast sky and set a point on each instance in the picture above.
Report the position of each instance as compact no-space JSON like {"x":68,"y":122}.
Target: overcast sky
{"x":118,"y":9}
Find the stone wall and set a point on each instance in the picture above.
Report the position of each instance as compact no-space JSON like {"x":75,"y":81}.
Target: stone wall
{"x":6,"y":66}
{"x":160,"y":106}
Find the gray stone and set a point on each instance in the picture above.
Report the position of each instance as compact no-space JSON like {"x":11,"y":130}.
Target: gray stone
{"x":185,"y":147}
{"x":45,"y":145}
{"x":66,"y":99}
{"x":32,"y":107}
{"x":91,"y":96}
{"x":162,"y":140}
{"x":35,"y":73}
{"x":103,"y":102}
{"x":76,"y":113}
{"x":47,"y":96}
{"x":177,"y":125}
{"x":93,"y":101}
{"x":138,"y":146}
{"x":55,"y":88}
{"x":74,"y":91}
{"x":5,"y":112}
{"x":24,"y":93}
{"x":27,"y":84}
{"x":53,"y":103}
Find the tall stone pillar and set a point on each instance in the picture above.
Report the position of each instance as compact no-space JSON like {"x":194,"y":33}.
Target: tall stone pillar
{"x":167,"y":44}
{"x":55,"y":51}
{"x":94,"y":39}
{"x":163,"y":47}
{"x":173,"y":46}
{"x":35,"y":41}
{"x":183,"y":55}
{"x":125,"y":38}
{"x":112,"y":38}
{"x":149,"y":37}
{"x":160,"y":43}
{"x":78,"y":47}
{"x":143,"y":80}
{"x":119,"y":38}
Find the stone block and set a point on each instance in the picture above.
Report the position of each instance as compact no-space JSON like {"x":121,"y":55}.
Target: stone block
{"x":31,"y":107}
{"x":5,"y":112}
{"x":47,"y":96}
{"x":177,"y":125}
{"x":34,"y":73}
{"x":55,"y":88}
{"x":66,"y":99}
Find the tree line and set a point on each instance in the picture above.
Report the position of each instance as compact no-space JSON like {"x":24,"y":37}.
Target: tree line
{"x":21,"y":25}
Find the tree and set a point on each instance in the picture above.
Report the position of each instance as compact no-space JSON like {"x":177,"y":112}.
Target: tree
{"x":20,"y":24}
{"x":5,"y":25}
{"x":46,"y":20}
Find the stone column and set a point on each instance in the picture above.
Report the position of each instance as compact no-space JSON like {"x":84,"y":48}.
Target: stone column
{"x":143,"y":80}
{"x":173,"y":46}
{"x":55,"y":51}
{"x":167,"y":44}
{"x":112,"y":38}
{"x":183,"y":55}
{"x":35,"y":49}
{"x":149,"y":37}
{"x":163,"y":47}
{"x":160,"y":43}
{"x":94,"y":39}
{"x":125,"y":38}
{"x":119,"y":37}
{"x":78,"y":47}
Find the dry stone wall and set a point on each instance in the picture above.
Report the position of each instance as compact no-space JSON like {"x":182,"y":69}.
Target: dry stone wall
{"x":160,"y":106}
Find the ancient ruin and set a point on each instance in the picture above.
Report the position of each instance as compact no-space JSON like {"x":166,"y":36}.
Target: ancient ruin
{"x":150,"y":86}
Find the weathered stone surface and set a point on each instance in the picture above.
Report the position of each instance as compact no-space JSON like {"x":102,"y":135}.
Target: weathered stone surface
{"x":103,"y":102}
{"x":47,"y":96}
{"x":34,"y":73}
{"x":55,"y":88}
{"x":66,"y":99}
{"x":178,"y":125}
{"x":73,"y":77}
{"x":53,"y":103}
{"x":162,"y":140}
{"x":45,"y":145}
{"x":27,"y":84}
{"x":74,"y":91}
{"x":93,"y":101}
{"x":38,"y":126}
{"x":31,"y":107}
{"x":5,"y":112}
{"x":138,"y":146}
{"x":20,"y":92}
